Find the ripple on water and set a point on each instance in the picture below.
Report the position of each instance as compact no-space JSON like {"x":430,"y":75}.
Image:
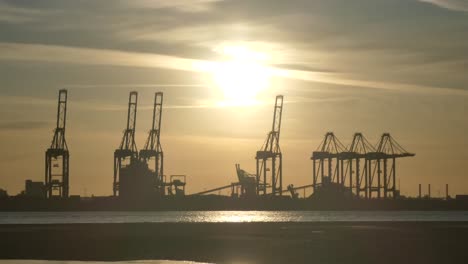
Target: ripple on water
{"x":227,"y":217}
{"x":22,"y":261}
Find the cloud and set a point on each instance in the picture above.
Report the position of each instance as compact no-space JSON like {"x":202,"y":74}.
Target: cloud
{"x":75,"y":55}
{"x":338,"y":79}
{"x":25,"y":100}
{"x":458,"y":5}
{"x":198,"y":34}
{"x":190,"y":6}
{"x":23,"y":125}
{"x":331,"y":36}
{"x":131,"y":85}
{"x":13,"y":14}
{"x":302,"y":67}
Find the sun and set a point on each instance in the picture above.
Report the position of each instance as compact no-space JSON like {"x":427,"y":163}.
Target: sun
{"x":242,"y":75}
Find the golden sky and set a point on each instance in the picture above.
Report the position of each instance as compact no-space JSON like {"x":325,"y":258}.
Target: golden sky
{"x":369,"y":66}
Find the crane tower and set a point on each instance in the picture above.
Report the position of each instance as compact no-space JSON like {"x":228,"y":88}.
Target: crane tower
{"x":269,"y":158}
{"x":57,"y":156}
{"x":152,"y":153}
{"x":127,"y":151}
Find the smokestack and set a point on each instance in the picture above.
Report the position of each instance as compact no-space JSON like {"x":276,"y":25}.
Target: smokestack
{"x":420,"y":191}
{"x":446,"y":192}
{"x":429,"y":190}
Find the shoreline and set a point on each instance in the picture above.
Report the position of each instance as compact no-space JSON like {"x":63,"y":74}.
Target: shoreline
{"x":219,"y":203}
{"x":319,"y":242}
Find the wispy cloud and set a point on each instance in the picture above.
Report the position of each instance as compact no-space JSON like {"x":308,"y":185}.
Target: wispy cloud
{"x":27,"y":101}
{"x":339,"y":79}
{"x":75,"y":55}
{"x":459,"y":5}
{"x":22,"y":125}
{"x":131,"y":85}
{"x":189,"y":6}
{"x":13,"y":14}
{"x":197,"y":34}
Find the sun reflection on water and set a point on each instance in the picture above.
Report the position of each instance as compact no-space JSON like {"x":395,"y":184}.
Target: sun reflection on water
{"x":241,"y":217}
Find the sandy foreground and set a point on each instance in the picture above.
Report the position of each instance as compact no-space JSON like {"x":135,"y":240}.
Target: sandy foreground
{"x":382,"y":242}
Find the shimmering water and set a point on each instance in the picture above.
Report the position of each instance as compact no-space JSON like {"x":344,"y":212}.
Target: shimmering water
{"x":95,"y":262}
{"x":227,"y":216}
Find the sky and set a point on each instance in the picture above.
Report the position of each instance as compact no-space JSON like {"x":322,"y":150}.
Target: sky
{"x":369,"y":66}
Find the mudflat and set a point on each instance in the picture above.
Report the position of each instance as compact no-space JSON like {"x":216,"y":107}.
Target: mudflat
{"x":331,"y":242}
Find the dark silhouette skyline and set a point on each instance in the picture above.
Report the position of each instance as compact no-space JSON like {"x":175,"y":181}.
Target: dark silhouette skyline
{"x":362,"y":66}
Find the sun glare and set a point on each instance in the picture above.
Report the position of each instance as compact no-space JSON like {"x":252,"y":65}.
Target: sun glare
{"x":241,"y":76}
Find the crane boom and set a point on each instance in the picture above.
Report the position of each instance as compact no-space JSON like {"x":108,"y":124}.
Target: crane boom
{"x":153,"y":141}
{"x":59,"y":142}
{"x":278,"y":110}
{"x":128,"y":140}
{"x":274,"y":137}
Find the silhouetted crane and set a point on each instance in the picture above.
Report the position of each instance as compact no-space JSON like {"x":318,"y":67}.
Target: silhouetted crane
{"x":127,"y":151}
{"x":152,"y":152}
{"x":333,"y":162}
{"x":327,"y":156}
{"x":354,"y":157}
{"x":269,"y":158}
{"x":57,"y":156}
{"x":387,"y":151}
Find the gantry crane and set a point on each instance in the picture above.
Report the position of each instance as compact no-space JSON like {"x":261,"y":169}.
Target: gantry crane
{"x":269,"y":158}
{"x":388,"y":150}
{"x":152,"y":153}
{"x":326,"y":162}
{"x":127,"y":151}
{"x":57,"y":156}
{"x":371,"y":170}
{"x":359,"y":174}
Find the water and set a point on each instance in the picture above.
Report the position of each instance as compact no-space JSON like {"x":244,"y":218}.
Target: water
{"x":22,"y":261}
{"x":227,"y":216}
